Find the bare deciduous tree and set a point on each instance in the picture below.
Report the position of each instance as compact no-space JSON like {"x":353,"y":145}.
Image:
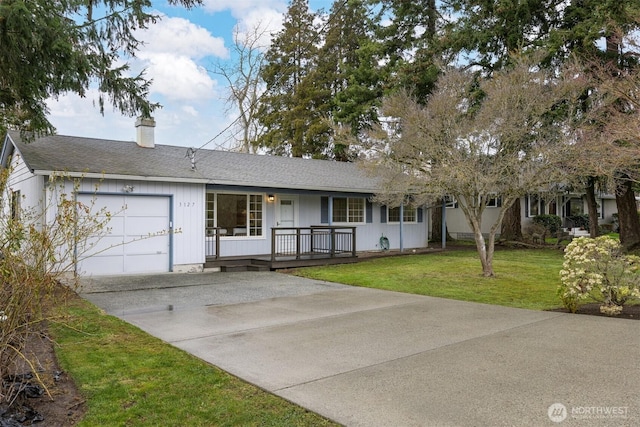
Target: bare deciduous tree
{"x":245,"y":85}
{"x":476,"y":140}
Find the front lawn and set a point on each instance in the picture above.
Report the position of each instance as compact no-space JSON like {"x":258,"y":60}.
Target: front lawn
{"x":524,"y":278}
{"x":130,"y":378}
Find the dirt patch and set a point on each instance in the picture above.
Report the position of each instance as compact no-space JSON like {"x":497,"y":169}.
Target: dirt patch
{"x":61,"y":404}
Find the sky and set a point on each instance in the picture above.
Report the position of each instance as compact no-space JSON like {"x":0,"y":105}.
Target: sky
{"x":179,"y":52}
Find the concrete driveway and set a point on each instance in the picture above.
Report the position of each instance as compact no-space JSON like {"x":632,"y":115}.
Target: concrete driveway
{"x":365,"y":357}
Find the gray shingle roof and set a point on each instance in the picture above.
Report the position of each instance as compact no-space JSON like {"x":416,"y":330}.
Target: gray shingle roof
{"x":165,"y":162}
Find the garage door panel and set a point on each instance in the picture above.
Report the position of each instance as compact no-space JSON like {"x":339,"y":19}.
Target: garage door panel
{"x":149,"y":225}
{"x":107,"y":245}
{"x":148,"y":245}
{"x":146,"y":207}
{"x":114,"y":226}
{"x":101,"y":265}
{"x":144,"y":263}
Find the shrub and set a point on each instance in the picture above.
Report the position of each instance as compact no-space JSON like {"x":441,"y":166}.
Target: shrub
{"x":550,"y":222}
{"x":34,"y":256}
{"x":598,"y":270}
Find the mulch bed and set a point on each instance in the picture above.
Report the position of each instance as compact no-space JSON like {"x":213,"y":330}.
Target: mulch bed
{"x":631,"y":312}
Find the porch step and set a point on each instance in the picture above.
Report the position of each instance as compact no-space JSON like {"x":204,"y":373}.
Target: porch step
{"x":243,"y":267}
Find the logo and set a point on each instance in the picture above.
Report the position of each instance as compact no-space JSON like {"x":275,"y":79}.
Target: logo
{"x":557,"y":412}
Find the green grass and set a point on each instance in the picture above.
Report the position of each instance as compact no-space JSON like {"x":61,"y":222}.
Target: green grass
{"x":524,"y":278}
{"x":131,"y":378}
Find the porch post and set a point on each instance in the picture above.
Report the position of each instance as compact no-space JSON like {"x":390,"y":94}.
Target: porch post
{"x":273,"y":244}
{"x":401,"y":227}
{"x":353,"y":241}
{"x":331,"y":242}
{"x":444,"y":223}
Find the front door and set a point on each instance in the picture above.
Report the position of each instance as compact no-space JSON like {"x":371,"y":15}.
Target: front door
{"x":286,"y":238}
{"x":287,"y":216}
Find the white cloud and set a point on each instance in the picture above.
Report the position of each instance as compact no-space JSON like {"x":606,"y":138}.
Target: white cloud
{"x":183,"y":37}
{"x":241,"y":7}
{"x":170,"y":55}
{"x":267,"y":21}
{"x":178,"y":77}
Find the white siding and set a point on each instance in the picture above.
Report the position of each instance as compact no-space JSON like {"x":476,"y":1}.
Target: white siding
{"x":187,"y":209}
{"x":31,"y":187}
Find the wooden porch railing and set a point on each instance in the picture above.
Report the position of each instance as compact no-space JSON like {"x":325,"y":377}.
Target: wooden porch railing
{"x":212,"y":242}
{"x":298,"y":242}
{"x":312,"y":242}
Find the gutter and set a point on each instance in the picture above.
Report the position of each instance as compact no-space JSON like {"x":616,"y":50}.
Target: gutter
{"x":122,"y":177}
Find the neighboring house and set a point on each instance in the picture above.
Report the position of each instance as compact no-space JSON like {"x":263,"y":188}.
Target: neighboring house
{"x":566,"y":206}
{"x":182,"y":211}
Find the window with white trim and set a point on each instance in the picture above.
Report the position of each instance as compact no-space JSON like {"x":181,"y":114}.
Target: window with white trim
{"x":409,"y":214}
{"x":494,"y":201}
{"x":535,"y":206}
{"x":235,"y":214}
{"x":450,"y":202}
{"x":348,"y":210}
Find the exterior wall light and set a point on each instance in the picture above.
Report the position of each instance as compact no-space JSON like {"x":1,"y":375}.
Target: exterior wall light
{"x":270,"y":198}
{"x":127,"y":189}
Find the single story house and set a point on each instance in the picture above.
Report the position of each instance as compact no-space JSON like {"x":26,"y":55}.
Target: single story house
{"x":567,"y":206}
{"x":175,"y":209}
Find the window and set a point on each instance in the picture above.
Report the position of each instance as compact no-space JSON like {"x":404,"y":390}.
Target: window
{"x":15,"y":205}
{"x":347,"y":209}
{"x":535,"y":205}
{"x":450,"y":202}
{"x":409,"y":214}
{"x":235,"y":214}
{"x":494,"y":201}
{"x":576,"y":207}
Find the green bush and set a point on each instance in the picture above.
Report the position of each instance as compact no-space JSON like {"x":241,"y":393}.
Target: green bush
{"x":550,"y":222}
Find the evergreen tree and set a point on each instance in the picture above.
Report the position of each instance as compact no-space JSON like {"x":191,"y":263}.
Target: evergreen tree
{"x":348,"y":74}
{"x":407,"y":33}
{"x":54,"y":47}
{"x":289,"y":109}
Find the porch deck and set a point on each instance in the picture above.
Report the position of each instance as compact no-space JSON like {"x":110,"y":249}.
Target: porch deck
{"x":290,"y":247}
{"x":265,"y":263}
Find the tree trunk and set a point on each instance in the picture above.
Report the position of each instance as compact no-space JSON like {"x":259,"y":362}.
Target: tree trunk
{"x":592,"y":206}
{"x":627,"y":215}
{"x":485,"y":254}
{"x":436,"y":223}
{"x":511,"y":227}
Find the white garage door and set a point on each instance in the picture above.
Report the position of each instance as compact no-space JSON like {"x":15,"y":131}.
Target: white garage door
{"x":136,"y":239}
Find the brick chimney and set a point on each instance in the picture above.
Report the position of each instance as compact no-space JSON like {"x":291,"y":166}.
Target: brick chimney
{"x":145,"y":132}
